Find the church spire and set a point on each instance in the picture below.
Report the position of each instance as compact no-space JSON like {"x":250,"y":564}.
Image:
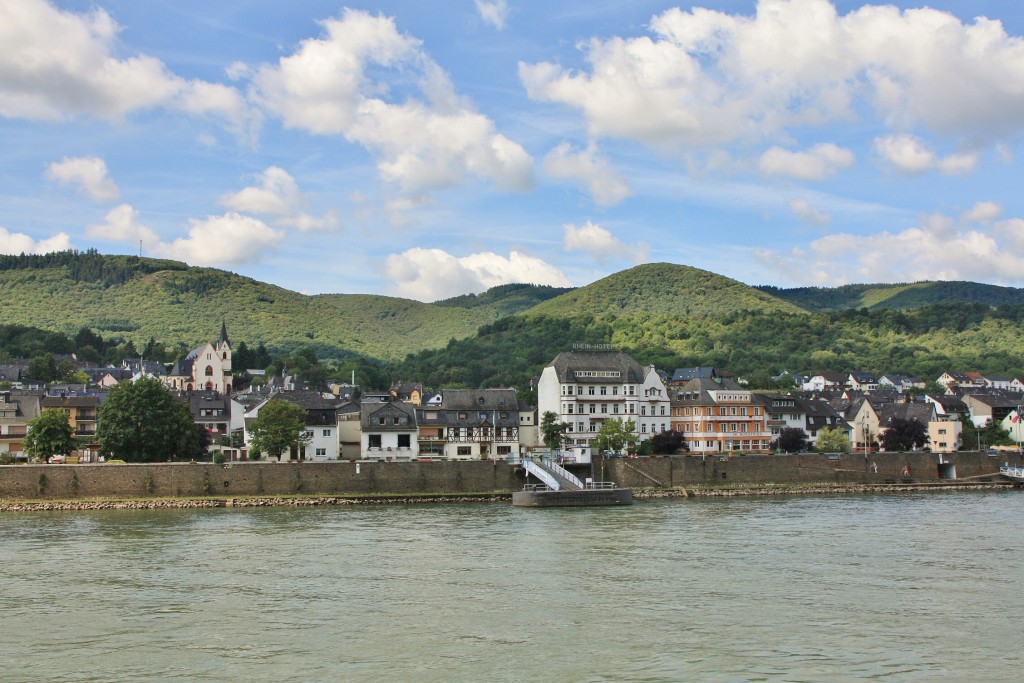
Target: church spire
{"x":224,"y":333}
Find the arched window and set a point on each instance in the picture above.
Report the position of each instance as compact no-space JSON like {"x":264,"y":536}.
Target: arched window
{"x":225,"y":355}
{"x":209,"y":371}
{"x":209,"y":386}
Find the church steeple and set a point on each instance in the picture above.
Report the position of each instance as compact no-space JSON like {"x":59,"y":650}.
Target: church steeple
{"x":224,"y":333}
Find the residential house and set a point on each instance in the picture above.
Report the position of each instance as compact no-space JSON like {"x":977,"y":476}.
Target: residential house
{"x":997,"y":382}
{"x":81,"y":409}
{"x":211,"y":411}
{"x":717,"y":415}
{"x":389,"y":431}
{"x":471,"y":424}
{"x":586,"y":388}
{"x":409,"y":393}
{"x":17,"y":408}
{"x":948,"y":406}
{"x":321,"y":421}
{"x":826,"y":381}
{"x":945,"y":435}
{"x":862,"y":381}
{"x":683,"y":375}
{"x":900,"y":383}
{"x":922,"y":412}
{"x":984,"y":407}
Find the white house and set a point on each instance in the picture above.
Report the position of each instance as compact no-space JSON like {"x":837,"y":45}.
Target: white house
{"x":389,"y":431}
{"x":586,"y":388}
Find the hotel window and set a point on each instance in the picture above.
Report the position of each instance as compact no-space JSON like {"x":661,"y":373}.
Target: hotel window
{"x":604,"y":391}
{"x":743,"y":411}
{"x":615,"y":391}
{"x":732,"y":411}
{"x":593,"y":408}
{"x":615,"y":408}
{"x":569,"y":390}
{"x":590,"y":390}
{"x":604,"y":408}
{"x":570,"y":409}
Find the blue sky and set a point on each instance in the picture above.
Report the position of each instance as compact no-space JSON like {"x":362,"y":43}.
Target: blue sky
{"x":397,"y":148}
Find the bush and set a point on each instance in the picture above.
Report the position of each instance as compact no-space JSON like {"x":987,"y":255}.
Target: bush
{"x":218,"y":457}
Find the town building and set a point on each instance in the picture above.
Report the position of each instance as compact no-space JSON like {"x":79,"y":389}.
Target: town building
{"x":585,"y":388}
{"x":717,"y":415}
{"x":17,"y":408}
{"x":388,"y":431}
{"x":206,"y":367}
{"x":471,"y":424}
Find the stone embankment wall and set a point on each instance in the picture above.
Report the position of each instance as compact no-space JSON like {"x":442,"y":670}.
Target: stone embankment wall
{"x":847,"y":468}
{"x":253,"y":479}
{"x":42,"y":482}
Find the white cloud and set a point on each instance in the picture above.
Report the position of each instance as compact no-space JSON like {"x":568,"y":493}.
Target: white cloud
{"x":909,"y":154}
{"x":704,"y":78}
{"x":58,"y":65}
{"x":817,"y":163}
{"x":220,"y":240}
{"x":424,"y":136}
{"x":123,"y":225}
{"x":982,"y":212}
{"x":20,"y":243}
{"x":936,"y":249}
{"x":588,"y":170}
{"x":808,"y":213}
{"x":600,"y":242}
{"x":88,"y":173}
{"x":279,"y":196}
{"x":494,"y":12}
{"x":433,"y":274}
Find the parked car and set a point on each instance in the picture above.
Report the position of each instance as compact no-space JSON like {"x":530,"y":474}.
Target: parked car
{"x":56,"y":460}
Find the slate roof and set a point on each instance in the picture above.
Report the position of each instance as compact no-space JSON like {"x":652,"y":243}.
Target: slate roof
{"x":371,"y":414}
{"x":568,"y":363}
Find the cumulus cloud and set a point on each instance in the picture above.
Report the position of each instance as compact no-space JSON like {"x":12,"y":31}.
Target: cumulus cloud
{"x":704,"y":78}
{"x":600,"y":242}
{"x":588,"y":170}
{"x":424,"y":136}
{"x":122,"y":224}
{"x":218,"y":240}
{"x":807,"y":213}
{"x":909,"y":154}
{"x":936,"y":249}
{"x":982,"y":212}
{"x":817,"y":163}
{"x":279,"y":196}
{"x":20,"y":243}
{"x":57,"y":65}
{"x":494,"y":12}
{"x":88,"y":173}
{"x":432,"y":274}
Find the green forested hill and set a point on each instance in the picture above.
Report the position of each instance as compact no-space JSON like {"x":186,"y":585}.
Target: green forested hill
{"x":666,"y":314}
{"x":661,"y":289}
{"x":898,"y":296}
{"x":139,"y":298}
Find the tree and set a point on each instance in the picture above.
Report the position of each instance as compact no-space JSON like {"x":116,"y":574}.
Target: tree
{"x":143,"y":422}
{"x":833,"y":440}
{"x":615,"y":435}
{"x":791,"y":440}
{"x":49,"y":433}
{"x":667,"y":443}
{"x":278,"y":427}
{"x":43,"y":368}
{"x":904,"y":435}
{"x":552,"y":431}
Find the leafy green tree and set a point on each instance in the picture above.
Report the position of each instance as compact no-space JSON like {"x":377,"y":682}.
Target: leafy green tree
{"x":143,"y":422}
{"x":791,"y":440}
{"x":833,"y":440}
{"x":904,"y":435}
{"x":667,"y":443}
{"x":615,"y":435}
{"x":552,"y":431}
{"x":43,"y":367}
{"x":49,"y":433}
{"x":278,"y":427}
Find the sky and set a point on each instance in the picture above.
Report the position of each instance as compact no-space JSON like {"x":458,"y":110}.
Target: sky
{"x":427,"y":150}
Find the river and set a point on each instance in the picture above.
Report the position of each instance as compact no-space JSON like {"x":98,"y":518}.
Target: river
{"x":907,"y":587}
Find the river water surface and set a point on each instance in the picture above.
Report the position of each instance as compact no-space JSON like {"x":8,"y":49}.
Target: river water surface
{"x":909,"y":587}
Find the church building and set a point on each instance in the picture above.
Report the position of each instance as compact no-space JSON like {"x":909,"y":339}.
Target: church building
{"x":207,"y":367}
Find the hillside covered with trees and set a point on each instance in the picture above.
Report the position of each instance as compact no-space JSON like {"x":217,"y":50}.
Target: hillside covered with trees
{"x":670,"y":315}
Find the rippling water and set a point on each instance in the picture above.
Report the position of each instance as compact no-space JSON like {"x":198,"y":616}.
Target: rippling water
{"x":899,"y":588}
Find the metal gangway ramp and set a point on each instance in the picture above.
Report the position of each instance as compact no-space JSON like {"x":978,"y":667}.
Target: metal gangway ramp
{"x":554,"y":476}
{"x":1015,"y":473}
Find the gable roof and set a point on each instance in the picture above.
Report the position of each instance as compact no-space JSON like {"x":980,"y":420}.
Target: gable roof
{"x":569,"y":364}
